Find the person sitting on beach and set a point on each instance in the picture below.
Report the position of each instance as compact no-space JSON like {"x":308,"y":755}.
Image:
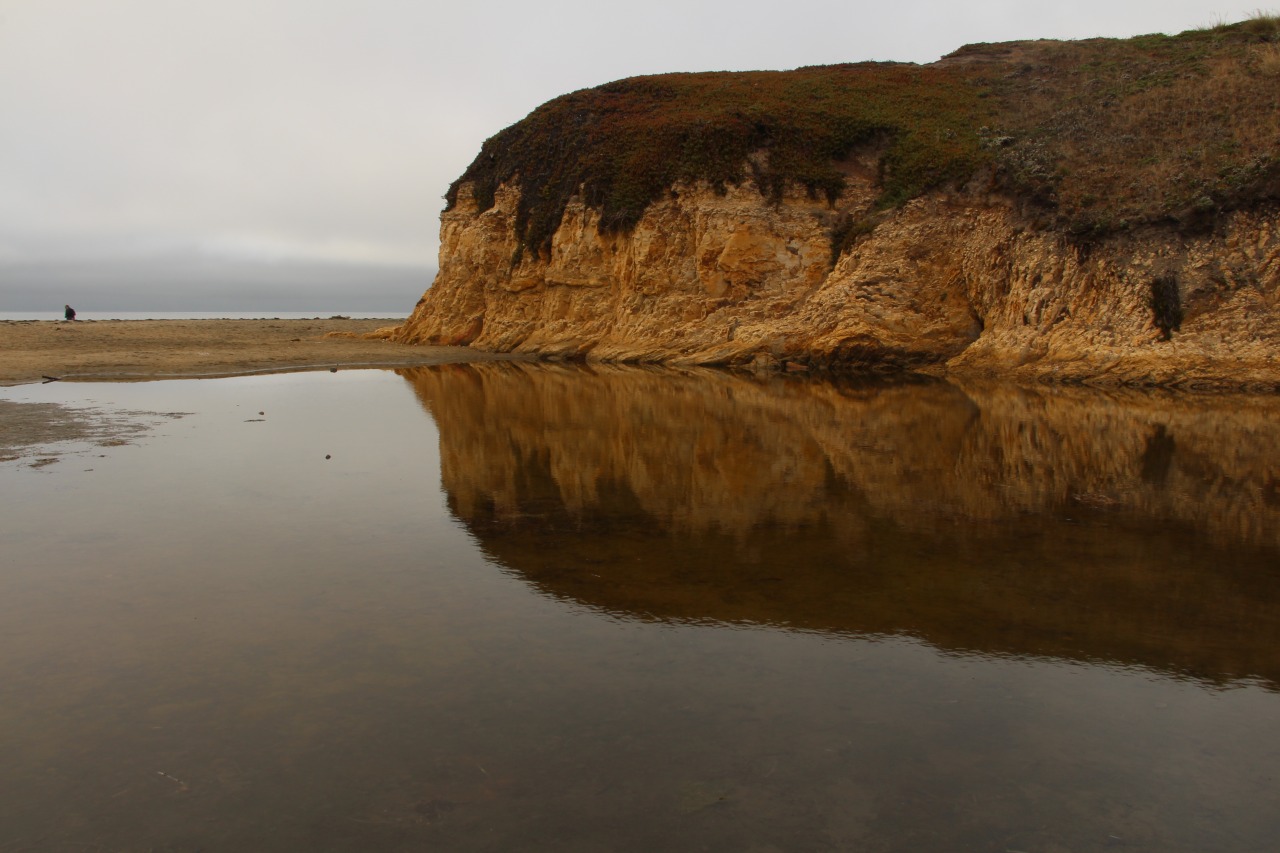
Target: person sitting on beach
{"x":70,"y":313}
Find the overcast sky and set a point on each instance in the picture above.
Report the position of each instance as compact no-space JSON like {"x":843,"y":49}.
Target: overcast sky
{"x":192,"y":145}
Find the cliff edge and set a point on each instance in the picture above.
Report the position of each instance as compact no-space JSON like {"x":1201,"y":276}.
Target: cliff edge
{"x":1103,"y":210}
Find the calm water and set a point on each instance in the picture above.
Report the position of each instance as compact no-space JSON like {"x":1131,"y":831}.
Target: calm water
{"x":538,"y":608}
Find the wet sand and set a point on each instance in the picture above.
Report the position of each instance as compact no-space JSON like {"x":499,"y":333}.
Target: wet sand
{"x":34,"y":350}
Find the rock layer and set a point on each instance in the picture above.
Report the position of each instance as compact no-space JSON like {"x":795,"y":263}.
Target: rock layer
{"x":958,"y":282}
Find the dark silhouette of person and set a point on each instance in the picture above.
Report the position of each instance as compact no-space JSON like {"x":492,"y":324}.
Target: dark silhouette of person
{"x":70,"y":313}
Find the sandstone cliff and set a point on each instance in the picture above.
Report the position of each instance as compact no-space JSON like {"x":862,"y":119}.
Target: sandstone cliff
{"x":1080,"y":233}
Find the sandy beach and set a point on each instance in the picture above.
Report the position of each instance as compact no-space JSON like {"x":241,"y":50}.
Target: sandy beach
{"x":34,"y":350}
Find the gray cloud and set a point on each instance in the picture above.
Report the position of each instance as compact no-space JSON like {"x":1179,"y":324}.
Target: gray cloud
{"x":318,"y":132}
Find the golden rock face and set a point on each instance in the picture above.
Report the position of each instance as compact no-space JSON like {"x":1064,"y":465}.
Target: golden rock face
{"x":1120,"y":526}
{"x":955,"y":283}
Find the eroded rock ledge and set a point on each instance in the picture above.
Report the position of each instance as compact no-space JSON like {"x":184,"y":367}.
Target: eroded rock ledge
{"x":954,"y":282}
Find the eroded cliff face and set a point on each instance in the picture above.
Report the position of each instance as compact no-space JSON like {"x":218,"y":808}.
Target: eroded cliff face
{"x":958,"y":282}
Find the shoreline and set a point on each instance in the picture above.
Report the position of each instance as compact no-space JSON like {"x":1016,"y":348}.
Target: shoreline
{"x":33,"y":351}
{"x":140,"y":350}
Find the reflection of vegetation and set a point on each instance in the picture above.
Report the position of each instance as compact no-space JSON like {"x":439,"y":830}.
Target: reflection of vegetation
{"x":1100,"y":135}
{"x":1157,"y":457}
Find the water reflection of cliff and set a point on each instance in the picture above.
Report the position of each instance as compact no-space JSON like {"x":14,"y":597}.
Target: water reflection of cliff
{"x":1126,"y":527}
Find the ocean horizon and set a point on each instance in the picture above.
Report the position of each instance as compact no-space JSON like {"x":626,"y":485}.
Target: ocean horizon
{"x":19,"y":316}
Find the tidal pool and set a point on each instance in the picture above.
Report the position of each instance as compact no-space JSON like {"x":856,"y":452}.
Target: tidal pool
{"x":524,"y":607}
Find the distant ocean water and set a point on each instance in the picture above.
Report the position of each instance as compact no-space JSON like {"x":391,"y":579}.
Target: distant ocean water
{"x":202,"y":315}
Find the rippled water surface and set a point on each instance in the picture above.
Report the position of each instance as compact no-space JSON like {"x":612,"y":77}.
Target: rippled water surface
{"x":514,"y":607}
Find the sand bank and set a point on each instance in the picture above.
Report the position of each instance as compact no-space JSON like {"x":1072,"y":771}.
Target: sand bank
{"x":160,"y":349}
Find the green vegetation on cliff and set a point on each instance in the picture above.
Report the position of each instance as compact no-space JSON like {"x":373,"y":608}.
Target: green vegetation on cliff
{"x":1096,"y":136}
{"x":624,"y":144}
{"x":1111,"y":134}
